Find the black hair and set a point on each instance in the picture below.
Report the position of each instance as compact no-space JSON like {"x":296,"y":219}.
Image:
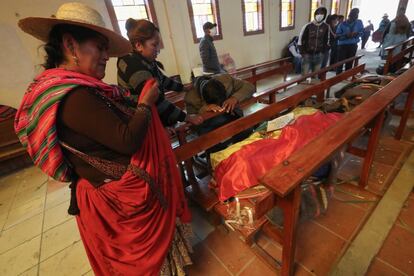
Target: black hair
{"x":140,"y":30}
{"x":212,"y":91}
{"x":54,"y":47}
{"x":331,"y":18}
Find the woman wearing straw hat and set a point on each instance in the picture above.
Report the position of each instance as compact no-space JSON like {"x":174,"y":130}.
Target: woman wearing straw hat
{"x":126,"y":190}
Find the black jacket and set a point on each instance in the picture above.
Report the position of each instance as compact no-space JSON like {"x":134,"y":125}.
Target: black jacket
{"x":314,"y":38}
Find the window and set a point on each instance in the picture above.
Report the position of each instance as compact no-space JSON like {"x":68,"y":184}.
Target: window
{"x":120,"y":10}
{"x":314,"y":5}
{"x":200,"y":12}
{"x":348,"y":7}
{"x":287,"y":14}
{"x":335,"y":6}
{"x":252,"y":17}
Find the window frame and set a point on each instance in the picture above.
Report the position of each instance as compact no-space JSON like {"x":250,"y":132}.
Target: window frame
{"x":261,"y":19}
{"x":291,"y":27}
{"x":149,"y":5}
{"x":216,"y":13}
{"x":310,"y":8}
{"x":338,"y":6}
{"x":349,"y":4}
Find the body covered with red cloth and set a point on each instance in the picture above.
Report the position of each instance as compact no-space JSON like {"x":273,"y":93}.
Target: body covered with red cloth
{"x":243,"y":168}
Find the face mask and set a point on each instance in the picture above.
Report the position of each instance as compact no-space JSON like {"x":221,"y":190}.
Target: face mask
{"x":319,"y":17}
{"x":213,"y":32}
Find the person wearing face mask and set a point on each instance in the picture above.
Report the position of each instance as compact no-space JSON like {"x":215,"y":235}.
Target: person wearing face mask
{"x":141,"y":65}
{"x":208,"y":51}
{"x":332,"y":21}
{"x":348,"y":34}
{"x":314,"y":41}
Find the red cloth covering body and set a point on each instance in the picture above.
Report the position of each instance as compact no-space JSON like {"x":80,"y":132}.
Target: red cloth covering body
{"x":244,"y":168}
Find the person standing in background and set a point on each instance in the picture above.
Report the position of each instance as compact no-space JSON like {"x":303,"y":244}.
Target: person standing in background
{"x":367,"y":33}
{"x":314,"y":41}
{"x":208,"y":51}
{"x":332,"y":21}
{"x":378,"y":35}
{"x":397,"y":31}
{"x":348,"y":34}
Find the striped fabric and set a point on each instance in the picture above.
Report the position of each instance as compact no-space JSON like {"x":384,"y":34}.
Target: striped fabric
{"x":35,"y":121}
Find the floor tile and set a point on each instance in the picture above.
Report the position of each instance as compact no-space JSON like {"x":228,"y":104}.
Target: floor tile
{"x":380,"y":177}
{"x":58,"y":196}
{"x":31,"y":271}
{"x":56,"y":215}
{"x":20,"y":258}
{"x":224,"y":245}
{"x":5,"y":205}
{"x":353,"y":194}
{"x":24,"y":212}
{"x":58,"y":238}
{"x":257,"y":268}
{"x":70,"y":261}
{"x":406,"y":218}
{"x":317,"y":248}
{"x":398,"y":249}
{"x":379,"y":268}
{"x":21,"y":233}
{"x":53,"y":185}
{"x":205,"y":264}
{"x":200,"y":225}
{"x":89,"y":273}
{"x":342,"y":218}
{"x":31,"y":177}
{"x":30,"y":194}
{"x":7,"y":190}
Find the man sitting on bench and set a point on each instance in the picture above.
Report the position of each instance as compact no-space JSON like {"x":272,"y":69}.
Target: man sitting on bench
{"x":216,"y":94}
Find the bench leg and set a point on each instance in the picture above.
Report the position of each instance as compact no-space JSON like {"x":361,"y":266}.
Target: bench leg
{"x":290,"y":205}
{"x":405,"y":114}
{"x":372,"y":146}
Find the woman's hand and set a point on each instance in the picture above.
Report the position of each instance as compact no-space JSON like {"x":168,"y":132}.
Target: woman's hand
{"x":150,"y":93}
{"x":194,"y":119}
{"x":214,"y":108}
{"x":230,"y":104}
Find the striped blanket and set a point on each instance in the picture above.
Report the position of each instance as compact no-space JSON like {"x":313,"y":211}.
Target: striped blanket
{"x":35,"y":121}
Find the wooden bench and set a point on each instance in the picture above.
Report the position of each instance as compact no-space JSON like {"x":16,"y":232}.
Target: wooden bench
{"x":12,"y":154}
{"x":287,"y":196}
{"x":255,"y":102}
{"x":397,"y":60}
{"x":284,"y":180}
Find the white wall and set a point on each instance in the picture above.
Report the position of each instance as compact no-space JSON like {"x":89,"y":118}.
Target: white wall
{"x":20,"y":54}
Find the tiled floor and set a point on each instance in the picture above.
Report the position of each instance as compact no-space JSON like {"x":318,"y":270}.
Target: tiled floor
{"x":38,"y":237}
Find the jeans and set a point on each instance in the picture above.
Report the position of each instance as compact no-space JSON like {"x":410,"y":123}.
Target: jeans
{"x":344,"y":52}
{"x":325,"y":59}
{"x":311,"y":63}
{"x":297,"y":62}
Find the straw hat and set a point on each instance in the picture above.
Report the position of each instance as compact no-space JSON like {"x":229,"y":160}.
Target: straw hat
{"x":76,"y":14}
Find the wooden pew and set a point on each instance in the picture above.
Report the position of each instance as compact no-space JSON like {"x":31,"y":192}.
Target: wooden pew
{"x":183,"y":129}
{"x":286,"y":193}
{"x":397,"y":60}
{"x":252,"y":73}
{"x":284,"y":180}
